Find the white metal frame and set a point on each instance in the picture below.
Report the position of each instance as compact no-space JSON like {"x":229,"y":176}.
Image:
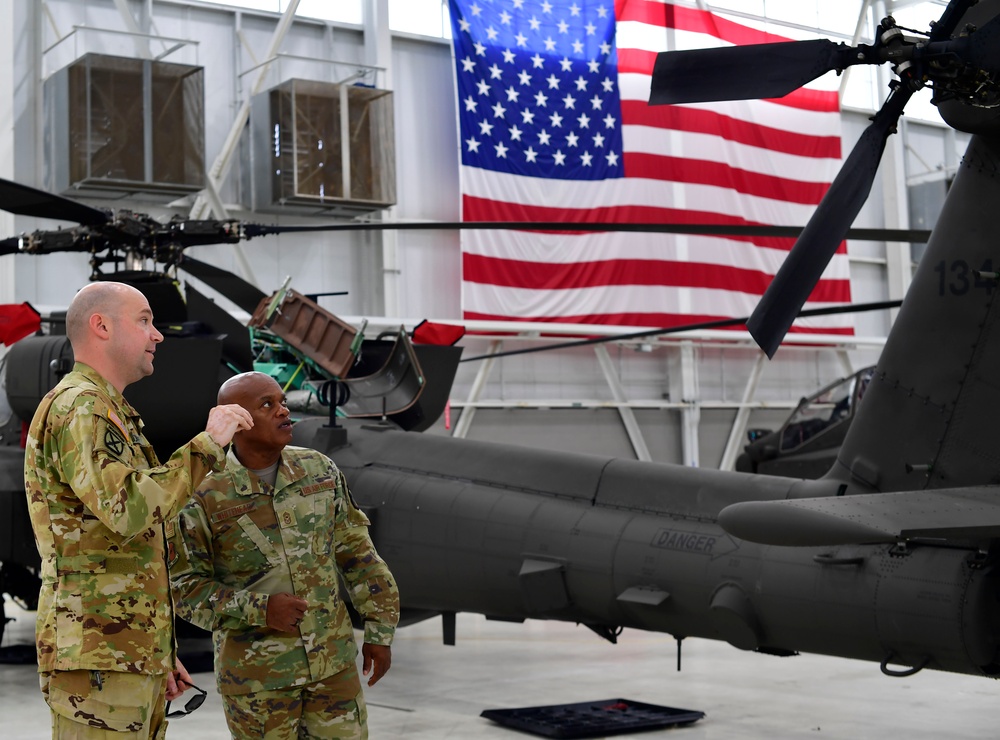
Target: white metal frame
{"x":684,"y":346}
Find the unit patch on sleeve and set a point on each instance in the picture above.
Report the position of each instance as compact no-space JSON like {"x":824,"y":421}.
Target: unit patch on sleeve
{"x":114,"y":442}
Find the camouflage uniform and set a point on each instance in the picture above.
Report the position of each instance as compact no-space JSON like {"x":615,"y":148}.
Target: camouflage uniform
{"x":238,"y":541}
{"x":98,"y":499}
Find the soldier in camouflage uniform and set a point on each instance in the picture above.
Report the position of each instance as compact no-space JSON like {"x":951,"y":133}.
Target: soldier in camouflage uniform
{"x":257,"y":555}
{"x":98,"y":499}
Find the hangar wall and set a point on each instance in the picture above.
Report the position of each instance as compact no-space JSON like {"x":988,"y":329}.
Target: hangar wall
{"x":555,"y":400}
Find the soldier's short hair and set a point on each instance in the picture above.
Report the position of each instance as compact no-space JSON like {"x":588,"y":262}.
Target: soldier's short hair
{"x":91,"y":299}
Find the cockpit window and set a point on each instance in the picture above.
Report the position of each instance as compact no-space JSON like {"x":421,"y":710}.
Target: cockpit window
{"x":825,"y":410}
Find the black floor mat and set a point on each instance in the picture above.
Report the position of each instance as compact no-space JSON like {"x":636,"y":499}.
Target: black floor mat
{"x":592,"y":718}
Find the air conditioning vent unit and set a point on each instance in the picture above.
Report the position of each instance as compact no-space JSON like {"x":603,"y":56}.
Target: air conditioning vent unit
{"x":119,"y":125}
{"x":322,"y":146}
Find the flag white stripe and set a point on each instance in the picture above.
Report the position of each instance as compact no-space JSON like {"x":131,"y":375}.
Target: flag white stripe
{"x":708,"y":148}
{"x":630,"y":191}
{"x":666,"y":299}
{"x":567,"y":249}
{"x":634,"y":86}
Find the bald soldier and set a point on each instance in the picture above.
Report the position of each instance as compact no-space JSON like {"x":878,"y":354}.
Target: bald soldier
{"x":98,"y":500}
{"x":259,"y":550}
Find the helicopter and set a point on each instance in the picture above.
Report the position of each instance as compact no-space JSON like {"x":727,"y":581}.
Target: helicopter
{"x":890,"y":557}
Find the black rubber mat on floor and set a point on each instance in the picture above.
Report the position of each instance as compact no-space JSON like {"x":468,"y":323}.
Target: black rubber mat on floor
{"x":592,"y":718}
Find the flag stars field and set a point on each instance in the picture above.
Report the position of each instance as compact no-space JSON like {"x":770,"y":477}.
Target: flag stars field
{"x":571,"y":51}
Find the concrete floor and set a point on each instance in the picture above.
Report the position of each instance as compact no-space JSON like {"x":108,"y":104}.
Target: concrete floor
{"x":435,"y":691}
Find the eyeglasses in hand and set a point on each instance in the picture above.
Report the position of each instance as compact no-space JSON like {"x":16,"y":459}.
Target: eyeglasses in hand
{"x":193,"y":703}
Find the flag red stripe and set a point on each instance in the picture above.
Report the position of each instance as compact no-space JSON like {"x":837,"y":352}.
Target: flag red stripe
{"x":562,"y":276}
{"x":701,"y":172}
{"x":666,"y":15}
{"x":662,"y":320}
{"x":483,"y":209}
{"x":640,"y":61}
{"x":703,"y":121}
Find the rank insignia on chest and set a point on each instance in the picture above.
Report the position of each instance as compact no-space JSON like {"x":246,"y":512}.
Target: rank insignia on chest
{"x":287,"y":518}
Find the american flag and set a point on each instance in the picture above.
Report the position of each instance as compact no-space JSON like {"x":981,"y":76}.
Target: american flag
{"x":555,"y":127}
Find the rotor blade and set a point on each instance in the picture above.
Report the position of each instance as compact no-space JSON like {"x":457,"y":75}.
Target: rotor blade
{"x":10,"y":246}
{"x":233,"y":287}
{"x":827,"y":228}
{"x":733,"y":229}
{"x":744,"y":72}
{"x":26,"y":201}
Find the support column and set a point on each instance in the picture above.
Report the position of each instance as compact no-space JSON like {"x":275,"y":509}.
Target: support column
{"x":618,"y":393}
{"x":469,"y":410}
{"x":899,"y":264}
{"x":378,"y":53}
{"x":859,"y":29}
{"x":7,"y":35}
{"x":223,"y":162}
{"x":140,"y":41}
{"x":684,"y":386}
{"x":208,"y":201}
{"x":899,"y":269}
{"x":738,"y":433}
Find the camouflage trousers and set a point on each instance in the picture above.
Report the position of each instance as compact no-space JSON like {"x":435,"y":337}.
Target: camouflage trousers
{"x":333,"y":709}
{"x":105,"y":705}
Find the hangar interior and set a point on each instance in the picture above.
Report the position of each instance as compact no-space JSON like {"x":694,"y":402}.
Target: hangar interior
{"x":687,"y":400}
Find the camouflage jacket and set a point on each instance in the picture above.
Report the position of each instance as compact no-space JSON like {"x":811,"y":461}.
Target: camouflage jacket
{"x":98,"y":498}
{"x":239,"y":540}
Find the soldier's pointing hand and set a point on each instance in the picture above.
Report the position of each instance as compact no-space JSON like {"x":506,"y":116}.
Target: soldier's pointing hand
{"x":224,"y":421}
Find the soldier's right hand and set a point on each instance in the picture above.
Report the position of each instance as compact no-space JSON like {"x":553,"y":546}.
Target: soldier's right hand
{"x":224,"y":421}
{"x":285,"y":611}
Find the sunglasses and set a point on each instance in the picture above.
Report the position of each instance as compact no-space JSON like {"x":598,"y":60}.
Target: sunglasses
{"x":193,"y":703}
